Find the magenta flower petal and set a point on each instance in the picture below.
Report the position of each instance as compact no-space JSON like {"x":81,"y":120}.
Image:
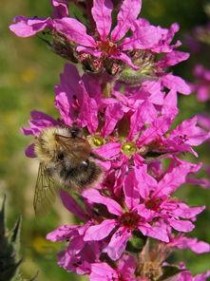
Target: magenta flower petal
{"x":29,"y":151}
{"x":187,"y":276}
{"x":176,"y":83}
{"x":204,"y":121}
{"x":62,"y":233}
{"x":146,"y":183}
{"x":181,"y":225}
{"x":62,"y":102}
{"x":172,"y":58}
{"x":198,"y":247}
{"x":113,"y":114}
{"x":145,"y":113}
{"x":126,"y":59}
{"x":109,"y":150}
{"x":125,"y":18}
{"x":101,"y":13}
{"x":74,"y":31}
{"x":167,"y":36}
{"x":155,"y":231}
{"x":186,"y":212}
{"x":156,"y":129}
{"x":38,"y":122}
{"x":60,"y":8}
{"x":174,"y":178}
{"x":25,"y":27}
{"x":100,"y":231}
{"x":118,"y":243}
{"x":189,"y":132}
{"x":144,"y":37}
{"x":131,"y":193}
{"x":102,"y":272}
{"x":93,"y":196}
{"x":89,"y":50}
{"x":154,"y":89}
{"x":202,"y":277}
{"x":169,"y":108}
{"x":69,"y":80}
{"x":72,"y":205}
{"x":88,"y":110}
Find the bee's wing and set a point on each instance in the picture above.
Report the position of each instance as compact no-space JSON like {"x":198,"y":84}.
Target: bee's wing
{"x":78,"y":150}
{"x":45,"y":192}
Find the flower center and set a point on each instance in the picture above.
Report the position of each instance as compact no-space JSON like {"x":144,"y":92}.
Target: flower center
{"x":129,"y":220}
{"x":129,"y":148}
{"x":153,"y":204}
{"x":98,"y":141}
{"x":107,"y":47}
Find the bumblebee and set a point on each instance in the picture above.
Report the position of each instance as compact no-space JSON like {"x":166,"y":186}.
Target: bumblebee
{"x":66,"y":161}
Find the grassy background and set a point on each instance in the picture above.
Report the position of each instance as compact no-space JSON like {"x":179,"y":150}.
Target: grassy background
{"x":28,"y":74}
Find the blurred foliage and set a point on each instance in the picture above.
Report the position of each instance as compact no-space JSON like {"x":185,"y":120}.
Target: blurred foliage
{"x":29,"y":72}
{"x":10,"y":247}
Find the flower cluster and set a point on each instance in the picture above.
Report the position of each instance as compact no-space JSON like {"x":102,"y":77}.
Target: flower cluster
{"x":125,"y":101}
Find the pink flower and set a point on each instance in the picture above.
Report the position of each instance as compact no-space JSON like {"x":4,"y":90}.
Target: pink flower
{"x":78,"y":256}
{"x":106,"y":44}
{"x":202,"y":84}
{"x":147,"y":208}
{"x":157,"y":203}
{"x":122,"y":222}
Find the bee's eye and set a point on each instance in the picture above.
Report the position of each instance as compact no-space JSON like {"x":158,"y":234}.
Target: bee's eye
{"x":84,"y":164}
{"x":60,"y":156}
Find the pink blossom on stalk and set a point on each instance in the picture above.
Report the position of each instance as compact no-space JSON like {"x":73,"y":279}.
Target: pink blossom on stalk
{"x":106,"y":43}
{"x":147,"y":208}
{"x":201,"y":86}
{"x":130,"y":127}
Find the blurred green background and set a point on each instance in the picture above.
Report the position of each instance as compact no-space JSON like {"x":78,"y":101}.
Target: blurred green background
{"x":27,"y":77}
